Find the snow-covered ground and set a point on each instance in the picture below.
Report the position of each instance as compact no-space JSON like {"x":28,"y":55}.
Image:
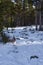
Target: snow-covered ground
{"x":29,"y":43}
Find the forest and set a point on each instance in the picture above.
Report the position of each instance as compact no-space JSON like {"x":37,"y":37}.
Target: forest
{"x":21,"y":13}
{"x":21,"y":32}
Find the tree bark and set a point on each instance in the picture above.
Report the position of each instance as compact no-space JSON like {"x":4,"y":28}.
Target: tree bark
{"x":36,"y":19}
{"x":40,"y":27}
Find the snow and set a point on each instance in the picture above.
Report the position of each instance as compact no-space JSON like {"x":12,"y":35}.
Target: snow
{"x":29,"y":42}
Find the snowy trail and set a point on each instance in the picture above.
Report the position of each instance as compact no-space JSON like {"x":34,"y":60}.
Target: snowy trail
{"x":28,"y":43}
{"x":20,"y":55}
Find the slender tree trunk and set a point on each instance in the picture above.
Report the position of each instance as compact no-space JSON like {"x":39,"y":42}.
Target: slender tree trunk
{"x":40,"y":28}
{"x":36,"y":19}
{"x":23,"y":12}
{"x":40,"y":20}
{"x":36,"y":16}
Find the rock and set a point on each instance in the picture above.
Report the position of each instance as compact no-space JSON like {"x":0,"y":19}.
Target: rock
{"x":33,"y":57}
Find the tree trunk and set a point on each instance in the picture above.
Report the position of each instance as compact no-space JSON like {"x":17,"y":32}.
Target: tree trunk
{"x":40,"y":27}
{"x":36,"y":19}
{"x":23,"y":12}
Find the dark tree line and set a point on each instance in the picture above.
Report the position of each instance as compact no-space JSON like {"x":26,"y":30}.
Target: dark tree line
{"x":20,"y":13}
